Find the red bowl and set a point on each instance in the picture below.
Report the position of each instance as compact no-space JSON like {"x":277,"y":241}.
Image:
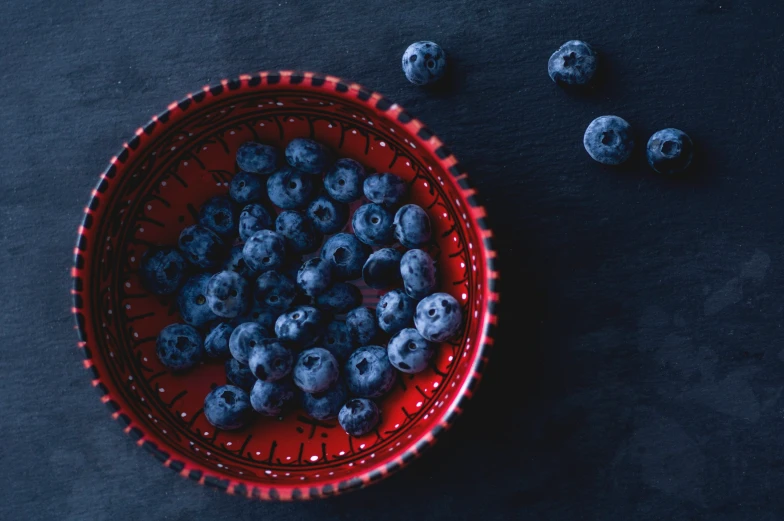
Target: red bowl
{"x":150,"y":191}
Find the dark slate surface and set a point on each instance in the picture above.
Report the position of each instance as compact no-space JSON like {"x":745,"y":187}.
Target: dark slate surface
{"x":638,"y":374}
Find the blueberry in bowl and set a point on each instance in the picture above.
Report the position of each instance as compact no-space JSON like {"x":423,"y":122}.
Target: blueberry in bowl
{"x":154,"y":188}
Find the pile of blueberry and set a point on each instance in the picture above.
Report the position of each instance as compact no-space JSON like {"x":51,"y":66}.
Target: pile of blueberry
{"x":254,"y":290}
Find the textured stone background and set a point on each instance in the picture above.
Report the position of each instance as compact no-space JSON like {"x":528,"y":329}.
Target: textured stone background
{"x":640,"y":368}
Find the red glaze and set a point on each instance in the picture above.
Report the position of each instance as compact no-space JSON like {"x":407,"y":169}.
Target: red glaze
{"x":151,"y":190}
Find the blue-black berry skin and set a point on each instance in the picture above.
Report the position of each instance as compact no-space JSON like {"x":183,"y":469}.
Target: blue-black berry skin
{"x":179,"y":347}
{"x":574,"y":63}
{"x":216,"y":343}
{"x":289,"y":188}
{"x":308,"y":156}
{"x":359,"y":416}
{"x":192,"y":301}
{"x":301,"y":325}
{"x":202,"y":247}
{"x":236,"y":262}
{"x":299,"y":232}
{"x":227,"y":407}
{"x":382,"y":269}
{"x":228,"y":294}
{"x":253,"y":218}
{"x":424,"y":63}
{"x":419,"y":274}
{"x":275,"y":291}
{"x":412,"y":226}
{"x":670,"y":151}
{"x":162,"y":270}
{"x":609,"y":140}
{"x":372,"y":224}
{"x":239,"y":374}
{"x":385,"y":189}
{"x":244,"y":338}
{"x":362,"y":326}
{"x":271,"y":360}
{"x":347,"y":254}
{"x":314,"y":276}
{"x":328,"y":216}
{"x":219,"y":215}
{"x":246,"y":188}
{"x":438,"y":317}
{"x":325,"y":405}
{"x":395,"y":310}
{"x":409,"y":352}
{"x":337,"y":340}
{"x":316,"y":370}
{"x":272,"y":398}
{"x":257,"y":158}
{"x":260,"y":314}
{"x":339,"y":298}
{"x":265,"y":250}
{"x":368,"y":372}
{"x":343,"y":182}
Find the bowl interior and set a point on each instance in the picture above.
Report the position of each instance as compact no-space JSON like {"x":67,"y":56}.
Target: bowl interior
{"x":154,"y":188}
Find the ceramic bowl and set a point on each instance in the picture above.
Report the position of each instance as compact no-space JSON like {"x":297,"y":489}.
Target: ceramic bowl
{"x":152,"y":189}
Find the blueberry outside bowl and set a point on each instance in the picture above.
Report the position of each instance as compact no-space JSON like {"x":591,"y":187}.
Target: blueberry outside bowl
{"x":152,"y":189}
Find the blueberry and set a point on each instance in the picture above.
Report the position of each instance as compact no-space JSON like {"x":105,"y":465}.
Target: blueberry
{"x":265,"y":250}
{"x":382,"y":269}
{"x":302,"y":325}
{"x":162,"y":270}
{"x":246,"y":188}
{"x":424,"y":63}
{"x":254,"y":218}
{"x":270,"y":360}
{"x":368,"y":372}
{"x":227,"y":407}
{"x":419,"y":274}
{"x":202,"y":246}
{"x":236,"y":262}
{"x":272,"y":398}
{"x":337,"y":340}
{"x":347,"y":255}
{"x":239,"y":374}
{"x":670,"y":151}
{"x":192,"y":301}
{"x":275,"y":291}
{"x":344,"y":181}
{"x":219,"y":215}
{"x":395,"y":310}
{"x":438,"y":317}
{"x":300,"y":234}
{"x":339,"y":298}
{"x":228,"y":294}
{"x":326,"y":405}
{"x":179,"y":347}
{"x":361,"y":323}
{"x":244,"y":338}
{"x":359,"y":416}
{"x":409,"y":352}
{"x":328,"y":216}
{"x":387,"y":189}
{"x":574,"y":63}
{"x":216,"y":344}
{"x":412,"y":226}
{"x":608,"y":140}
{"x":316,"y":370}
{"x":307,"y":155}
{"x":290,"y":189}
{"x":315,"y":276}
{"x":372,"y":224}
{"x":257,"y":158}
{"x":260,"y":314}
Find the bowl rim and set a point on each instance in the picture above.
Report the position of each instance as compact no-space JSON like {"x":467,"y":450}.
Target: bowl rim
{"x":477,"y":216}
